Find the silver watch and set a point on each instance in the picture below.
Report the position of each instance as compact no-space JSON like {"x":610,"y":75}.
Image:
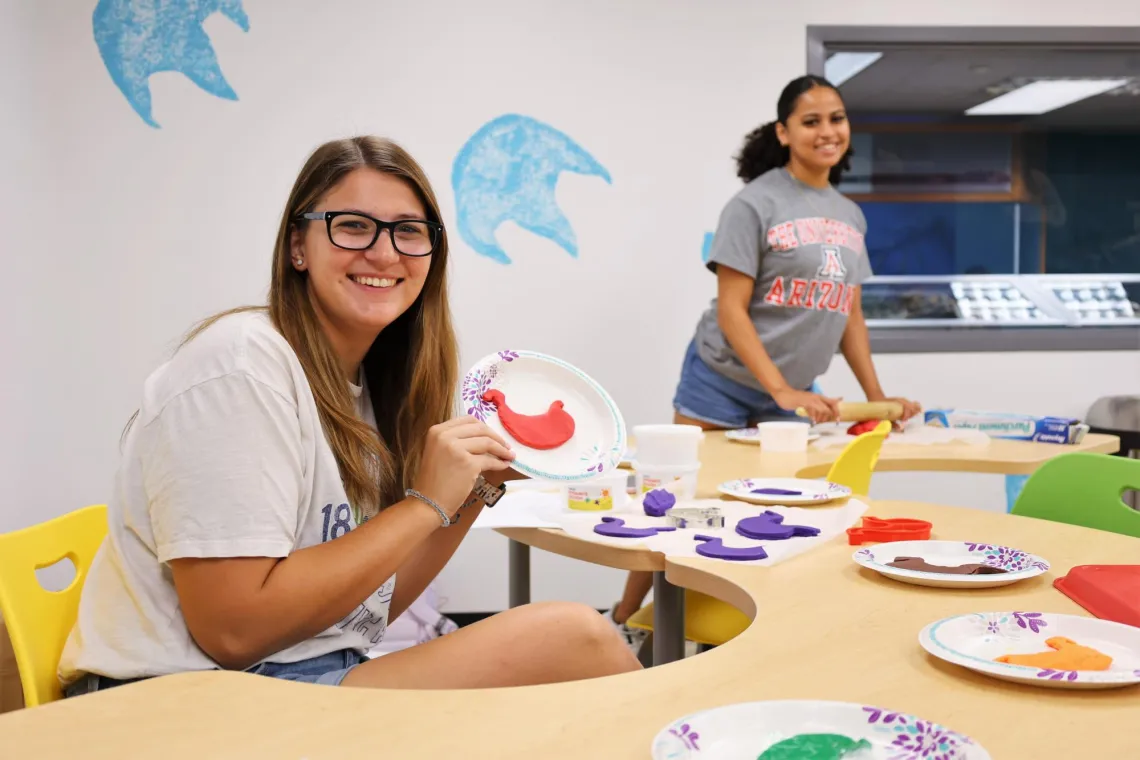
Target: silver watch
{"x":488,"y":493}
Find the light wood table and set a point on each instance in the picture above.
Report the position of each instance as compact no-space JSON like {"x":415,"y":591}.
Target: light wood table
{"x":722,"y":459}
{"x":826,"y":629}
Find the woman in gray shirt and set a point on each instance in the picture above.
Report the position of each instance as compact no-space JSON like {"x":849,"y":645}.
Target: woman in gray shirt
{"x":789,"y":258}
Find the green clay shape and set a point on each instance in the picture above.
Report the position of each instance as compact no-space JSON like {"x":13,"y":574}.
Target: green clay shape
{"x":814,"y":747}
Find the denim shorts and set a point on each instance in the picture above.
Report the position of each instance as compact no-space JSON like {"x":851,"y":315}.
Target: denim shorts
{"x":706,"y":395}
{"x":326,"y":670}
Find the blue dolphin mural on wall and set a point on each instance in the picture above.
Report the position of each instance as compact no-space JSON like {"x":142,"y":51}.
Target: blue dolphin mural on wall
{"x":507,"y":171}
{"x":706,"y":246}
{"x":137,"y":38}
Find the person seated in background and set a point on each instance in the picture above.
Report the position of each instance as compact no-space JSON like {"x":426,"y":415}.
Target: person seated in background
{"x":294,"y":478}
{"x":789,"y":258}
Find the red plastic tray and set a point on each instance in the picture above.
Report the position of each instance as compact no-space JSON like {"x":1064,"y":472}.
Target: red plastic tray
{"x":1111,"y":592}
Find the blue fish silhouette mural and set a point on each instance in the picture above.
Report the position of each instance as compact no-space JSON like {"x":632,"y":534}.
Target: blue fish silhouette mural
{"x":137,"y":38}
{"x":706,"y":246}
{"x":507,"y":171}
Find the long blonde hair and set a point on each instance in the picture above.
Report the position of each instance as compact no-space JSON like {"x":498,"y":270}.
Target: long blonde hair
{"x":411,"y":368}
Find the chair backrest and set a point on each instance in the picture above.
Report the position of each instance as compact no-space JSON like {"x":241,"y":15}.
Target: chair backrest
{"x":857,"y":461}
{"x":39,"y":620}
{"x":1081,"y":488}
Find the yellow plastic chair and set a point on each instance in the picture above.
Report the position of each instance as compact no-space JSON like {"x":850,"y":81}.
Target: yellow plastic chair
{"x":39,"y":620}
{"x":710,"y":621}
{"x":857,"y":461}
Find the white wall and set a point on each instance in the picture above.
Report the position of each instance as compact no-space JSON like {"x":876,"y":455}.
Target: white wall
{"x":116,"y":236}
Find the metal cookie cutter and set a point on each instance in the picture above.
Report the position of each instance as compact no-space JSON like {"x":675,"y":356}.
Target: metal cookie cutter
{"x":695,"y":517}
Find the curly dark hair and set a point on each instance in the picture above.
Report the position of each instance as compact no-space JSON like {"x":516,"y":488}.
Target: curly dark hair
{"x":762,"y":150}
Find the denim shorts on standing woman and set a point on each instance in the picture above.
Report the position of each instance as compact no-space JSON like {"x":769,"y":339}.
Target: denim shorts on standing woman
{"x":706,"y":395}
{"x":326,"y":670}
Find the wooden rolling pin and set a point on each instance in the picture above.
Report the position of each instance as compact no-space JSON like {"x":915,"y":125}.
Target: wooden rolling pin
{"x":859,"y":411}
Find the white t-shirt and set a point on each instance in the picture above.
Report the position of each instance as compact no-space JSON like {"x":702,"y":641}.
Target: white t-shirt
{"x":227,"y":458}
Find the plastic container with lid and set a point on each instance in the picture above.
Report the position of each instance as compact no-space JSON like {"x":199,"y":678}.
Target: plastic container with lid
{"x":783,"y":436}
{"x":650,"y":477}
{"x":601,"y":494}
{"x":668,"y":445}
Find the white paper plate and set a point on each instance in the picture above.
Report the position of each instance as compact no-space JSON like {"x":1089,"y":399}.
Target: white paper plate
{"x":974,"y":640}
{"x":1020,"y":565}
{"x":811,"y":491}
{"x":752,"y":435}
{"x":746,"y":730}
{"x":530,"y":382}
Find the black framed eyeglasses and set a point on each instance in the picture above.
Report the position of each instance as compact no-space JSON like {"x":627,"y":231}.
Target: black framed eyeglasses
{"x":355,"y":231}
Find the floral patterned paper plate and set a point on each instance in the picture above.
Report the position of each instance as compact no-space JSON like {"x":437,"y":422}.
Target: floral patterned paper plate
{"x":1018,"y":565}
{"x":530,"y":382}
{"x":783,"y":491}
{"x":975,"y":640}
{"x":751,"y":730}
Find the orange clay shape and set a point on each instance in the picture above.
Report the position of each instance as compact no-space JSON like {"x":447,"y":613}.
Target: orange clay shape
{"x":1068,"y":655}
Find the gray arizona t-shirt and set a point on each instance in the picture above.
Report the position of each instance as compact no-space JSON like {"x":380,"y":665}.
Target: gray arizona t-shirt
{"x":804,"y":246}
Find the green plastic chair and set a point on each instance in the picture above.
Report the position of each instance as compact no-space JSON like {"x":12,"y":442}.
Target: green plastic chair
{"x":1083,"y":489}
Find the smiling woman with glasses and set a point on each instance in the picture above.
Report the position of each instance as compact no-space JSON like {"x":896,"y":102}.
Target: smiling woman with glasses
{"x":294,"y":477}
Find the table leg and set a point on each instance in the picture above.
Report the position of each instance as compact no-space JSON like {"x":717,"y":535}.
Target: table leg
{"x":668,"y":621}
{"x":519,"y":572}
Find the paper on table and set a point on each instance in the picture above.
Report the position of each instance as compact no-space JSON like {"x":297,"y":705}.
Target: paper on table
{"x":533,"y":503}
{"x":831,"y":521}
{"x":521,"y":509}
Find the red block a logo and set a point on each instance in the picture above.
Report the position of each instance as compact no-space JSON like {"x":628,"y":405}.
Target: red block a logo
{"x":832,"y":266}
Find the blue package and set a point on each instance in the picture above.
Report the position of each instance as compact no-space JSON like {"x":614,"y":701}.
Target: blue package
{"x":1017,"y":427}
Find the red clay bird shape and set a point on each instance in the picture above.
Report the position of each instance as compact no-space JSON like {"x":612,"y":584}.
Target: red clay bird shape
{"x":541,"y":431}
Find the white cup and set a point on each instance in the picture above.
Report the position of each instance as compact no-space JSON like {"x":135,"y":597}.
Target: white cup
{"x":600,"y":494}
{"x":668,"y":445}
{"x":783,"y":436}
{"x":649,"y":477}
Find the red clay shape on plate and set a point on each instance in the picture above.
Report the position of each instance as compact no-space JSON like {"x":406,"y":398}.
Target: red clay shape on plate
{"x":548,"y":430}
{"x":1067,"y":655}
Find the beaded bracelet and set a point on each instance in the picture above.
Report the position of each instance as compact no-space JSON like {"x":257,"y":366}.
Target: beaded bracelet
{"x":417,"y":495}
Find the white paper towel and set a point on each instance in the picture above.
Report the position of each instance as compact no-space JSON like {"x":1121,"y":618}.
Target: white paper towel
{"x":831,"y":520}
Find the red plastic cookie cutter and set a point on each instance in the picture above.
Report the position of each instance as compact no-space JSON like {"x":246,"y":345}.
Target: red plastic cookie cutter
{"x":891,"y":529}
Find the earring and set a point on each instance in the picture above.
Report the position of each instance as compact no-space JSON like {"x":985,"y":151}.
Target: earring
{"x":298,"y":261}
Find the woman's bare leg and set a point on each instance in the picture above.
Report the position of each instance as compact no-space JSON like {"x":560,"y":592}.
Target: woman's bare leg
{"x":545,"y":642}
{"x":680,"y":419}
{"x":637,"y":586}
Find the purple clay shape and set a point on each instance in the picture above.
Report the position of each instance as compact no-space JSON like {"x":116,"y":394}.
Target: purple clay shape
{"x":766,"y":527}
{"x":776,"y":492}
{"x":714,"y":548}
{"x":615,"y":528}
{"x":769,"y":527}
{"x":657,"y":502}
